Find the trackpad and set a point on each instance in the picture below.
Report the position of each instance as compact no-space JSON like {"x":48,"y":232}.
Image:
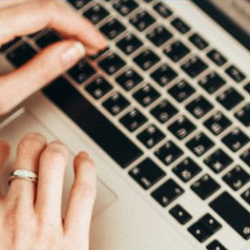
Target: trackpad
{"x":22,"y":123}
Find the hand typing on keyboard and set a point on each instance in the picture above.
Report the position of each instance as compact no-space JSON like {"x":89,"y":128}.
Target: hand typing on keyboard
{"x":27,"y":18}
{"x":30,"y":213}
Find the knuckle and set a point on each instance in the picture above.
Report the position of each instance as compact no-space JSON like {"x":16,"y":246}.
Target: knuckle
{"x":55,"y":154}
{"x":44,"y":72}
{"x":48,"y":6}
{"x":31,"y":141}
{"x":35,"y":136}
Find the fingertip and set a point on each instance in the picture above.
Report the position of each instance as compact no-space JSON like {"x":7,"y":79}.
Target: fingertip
{"x":83,"y":154}
{"x":84,"y":163}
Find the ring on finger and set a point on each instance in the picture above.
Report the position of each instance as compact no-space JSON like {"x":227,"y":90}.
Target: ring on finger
{"x":23,"y":174}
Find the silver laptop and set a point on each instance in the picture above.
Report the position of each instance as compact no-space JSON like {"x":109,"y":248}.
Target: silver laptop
{"x":165,"y":113}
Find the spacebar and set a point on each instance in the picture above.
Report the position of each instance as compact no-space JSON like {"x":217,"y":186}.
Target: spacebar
{"x":91,"y":121}
{"x":233,"y":213}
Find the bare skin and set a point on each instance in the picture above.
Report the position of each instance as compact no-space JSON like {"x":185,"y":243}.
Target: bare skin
{"x":30,"y":215}
{"x":27,"y":18}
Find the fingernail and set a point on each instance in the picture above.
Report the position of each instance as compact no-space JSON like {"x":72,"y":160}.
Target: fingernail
{"x":73,"y":54}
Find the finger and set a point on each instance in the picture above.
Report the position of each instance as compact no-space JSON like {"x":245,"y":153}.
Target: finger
{"x":28,"y":155}
{"x":50,"y":185}
{"x":82,"y":197}
{"x":4,"y":155}
{"x":47,"y":65}
{"x":36,"y":15}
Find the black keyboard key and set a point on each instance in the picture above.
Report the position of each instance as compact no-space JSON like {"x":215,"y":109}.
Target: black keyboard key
{"x":180,"y":214}
{"x":217,"y":57}
{"x":218,"y":161}
{"x":198,"y":41}
{"x":96,"y":13}
{"x":204,"y":228}
{"x":111,"y":64}
{"x":167,"y":193}
{"x":116,"y":104}
{"x":159,"y":35}
{"x":142,"y":20}
{"x":182,"y":127}
{"x":194,"y":67}
{"x":98,"y":88}
{"x":129,"y":44}
{"x":247,"y":88}
{"x":146,"y":59}
{"x":176,"y":51}
{"x":125,"y":7}
{"x":162,"y":10}
{"x":169,"y":153}
{"x":205,"y":187}
{"x":112,"y":29}
{"x":181,"y":91}
{"x":93,"y":122}
{"x":246,"y":196}
{"x":230,"y":98}
{"x":164,"y":75}
{"x":210,"y":223}
{"x":237,"y":216}
{"x":235,"y":74}
{"x":146,"y":95}
{"x":235,"y":140}
{"x":187,"y":170}
{"x":21,"y":55}
{"x":245,"y":156}
{"x":147,"y":173}
{"x":82,"y":71}
{"x":217,"y":123}
{"x":164,"y":111}
{"x":151,"y":136}
{"x":200,"y":144}
{"x":215,"y":245}
{"x":129,"y":79}
{"x":133,"y":120}
{"x":8,"y":45}
{"x":243,"y":115}
{"x":212,"y":82}
{"x":199,"y":107}
{"x":78,"y":4}
{"x":237,"y":178}
{"x":47,"y":39}
{"x":200,"y":232}
{"x":180,"y":25}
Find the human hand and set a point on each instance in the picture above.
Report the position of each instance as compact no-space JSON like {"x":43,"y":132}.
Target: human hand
{"x":30,"y":17}
{"x":30,"y":214}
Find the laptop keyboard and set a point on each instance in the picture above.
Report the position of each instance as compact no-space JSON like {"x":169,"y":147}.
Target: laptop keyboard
{"x":164,"y":99}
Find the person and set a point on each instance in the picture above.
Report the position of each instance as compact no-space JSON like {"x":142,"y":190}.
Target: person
{"x":30,"y":213}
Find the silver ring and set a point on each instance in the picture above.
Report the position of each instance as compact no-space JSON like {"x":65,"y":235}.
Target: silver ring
{"x":23,"y":174}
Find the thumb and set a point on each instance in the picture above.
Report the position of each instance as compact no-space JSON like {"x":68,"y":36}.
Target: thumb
{"x":42,"y":69}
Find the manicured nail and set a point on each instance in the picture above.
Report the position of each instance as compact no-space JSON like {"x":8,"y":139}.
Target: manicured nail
{"x":73,"y":54}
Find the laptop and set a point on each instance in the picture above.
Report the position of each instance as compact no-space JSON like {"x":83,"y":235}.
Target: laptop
{"x":165,"y":114}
